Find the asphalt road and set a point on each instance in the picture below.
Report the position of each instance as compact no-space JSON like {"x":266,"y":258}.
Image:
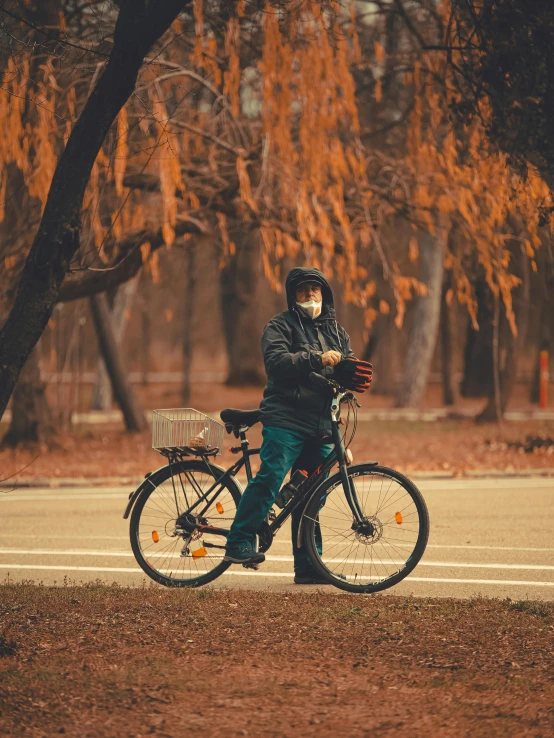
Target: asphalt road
{"x":489,"y":537}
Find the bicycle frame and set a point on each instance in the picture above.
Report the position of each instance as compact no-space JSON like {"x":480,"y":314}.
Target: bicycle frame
{"x":304,"y":491}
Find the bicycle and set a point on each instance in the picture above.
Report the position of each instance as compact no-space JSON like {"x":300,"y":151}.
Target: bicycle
{"x":365,"y":527}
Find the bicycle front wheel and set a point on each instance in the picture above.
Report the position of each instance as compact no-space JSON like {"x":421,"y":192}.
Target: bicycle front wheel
{"x":382,"y":548}
{"x":171,"y":535}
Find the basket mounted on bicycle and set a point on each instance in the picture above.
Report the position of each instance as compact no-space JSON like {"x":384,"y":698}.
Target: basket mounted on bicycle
{"x":180,"y":432}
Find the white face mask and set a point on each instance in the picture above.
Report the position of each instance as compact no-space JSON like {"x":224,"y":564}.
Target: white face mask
{"x":311,"y":309}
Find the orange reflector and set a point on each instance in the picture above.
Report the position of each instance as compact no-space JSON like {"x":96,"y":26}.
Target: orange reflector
{"x":219,"y":508}
{"x":398,"y":518}
{"x":199,"y":553}
{"x":155,"y":536}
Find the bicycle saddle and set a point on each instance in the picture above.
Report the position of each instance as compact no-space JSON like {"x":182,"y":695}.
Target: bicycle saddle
{"x":238,"y":418}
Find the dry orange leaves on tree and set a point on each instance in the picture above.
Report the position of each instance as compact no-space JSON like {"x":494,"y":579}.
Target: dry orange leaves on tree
{"x":257,"y":119}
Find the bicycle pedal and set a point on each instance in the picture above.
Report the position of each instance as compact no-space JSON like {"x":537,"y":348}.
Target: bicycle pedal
{"x":252,"y":565}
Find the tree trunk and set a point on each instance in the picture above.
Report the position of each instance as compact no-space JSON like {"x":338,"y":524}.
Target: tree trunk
{"x":478,"y":380}
{"x":426,"y":315}
{"x":132,"y":413}
{"x":188,"y":320}
{"x":498,"y":401}
{"x":31,"y":416}
{"x":241,"y":297}
{"x":102,"y":394}
{"x":146,"y":343}
{"x":379,"y":350}
{"x":138,"y":26}
{"x":545,"y":341}
{"x":372,"y":342}
{"x":447,"y":349}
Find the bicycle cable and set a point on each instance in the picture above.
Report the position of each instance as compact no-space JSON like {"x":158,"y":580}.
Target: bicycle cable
{"x":351,"y":408}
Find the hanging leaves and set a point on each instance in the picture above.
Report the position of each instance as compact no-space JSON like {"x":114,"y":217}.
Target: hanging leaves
{"x":121,"y":151}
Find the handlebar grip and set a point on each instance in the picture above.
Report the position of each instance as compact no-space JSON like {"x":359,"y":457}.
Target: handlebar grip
{"x":319,"y":379}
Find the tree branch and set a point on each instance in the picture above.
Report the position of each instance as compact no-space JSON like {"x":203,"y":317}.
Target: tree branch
{"x":92,"y":281}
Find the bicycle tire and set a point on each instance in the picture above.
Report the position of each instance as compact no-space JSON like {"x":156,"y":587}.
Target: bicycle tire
{"x":144,"y":560}
{"x":356,"y":577}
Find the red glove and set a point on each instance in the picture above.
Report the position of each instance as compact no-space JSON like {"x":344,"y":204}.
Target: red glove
{"x":354,"y":374}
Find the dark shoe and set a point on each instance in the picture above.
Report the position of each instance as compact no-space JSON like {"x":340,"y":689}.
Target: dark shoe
{"x":244,"y":554}
{"x":313,"y":579}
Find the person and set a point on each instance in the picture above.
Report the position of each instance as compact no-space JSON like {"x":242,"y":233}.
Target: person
{"x":295,"y":415}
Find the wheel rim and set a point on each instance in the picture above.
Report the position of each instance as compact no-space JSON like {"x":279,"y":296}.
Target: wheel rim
{"x":380,"y":548}
{"x":174,"y":553}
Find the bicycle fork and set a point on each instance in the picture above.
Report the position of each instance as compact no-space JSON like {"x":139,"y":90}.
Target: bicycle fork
{"x":347,"y":483}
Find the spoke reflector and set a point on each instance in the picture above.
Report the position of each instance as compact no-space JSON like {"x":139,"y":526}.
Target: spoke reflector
{"x":155,"y":536}
{"x":219,"y":508}
{"x":398,"y":518}
{"x":199,"y":553}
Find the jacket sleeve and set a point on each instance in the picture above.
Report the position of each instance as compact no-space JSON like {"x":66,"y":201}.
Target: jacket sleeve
{"x":280,"y":362}
{"x":347,"y":352}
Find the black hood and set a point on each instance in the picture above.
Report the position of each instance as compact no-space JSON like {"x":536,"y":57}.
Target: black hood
{"x":308,"y":274}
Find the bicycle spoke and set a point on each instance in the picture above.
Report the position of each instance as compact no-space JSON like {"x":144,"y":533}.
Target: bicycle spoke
{"x":378,"y":547}
{"x":168,"y":551}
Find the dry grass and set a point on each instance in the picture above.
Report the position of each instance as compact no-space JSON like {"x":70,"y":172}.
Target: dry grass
{"x":109,"y":661}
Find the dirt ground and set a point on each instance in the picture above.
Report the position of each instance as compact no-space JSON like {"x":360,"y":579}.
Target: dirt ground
{"x":454,"y":446}
{"x":105,"y":661}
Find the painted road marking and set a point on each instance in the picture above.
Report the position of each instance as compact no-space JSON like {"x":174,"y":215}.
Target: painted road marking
{"x":44,"y":498}
{"x":447,"y":484}
{"x":486,"y":548}
{"x":270,"y":574}
{"x":129,"y":554}
{"x":277,"y":541}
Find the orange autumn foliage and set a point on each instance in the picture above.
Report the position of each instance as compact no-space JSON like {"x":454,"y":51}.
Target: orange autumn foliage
{"x":297,"y":168}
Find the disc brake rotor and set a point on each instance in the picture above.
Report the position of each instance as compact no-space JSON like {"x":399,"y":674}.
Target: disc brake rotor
{"x":369,"y":531}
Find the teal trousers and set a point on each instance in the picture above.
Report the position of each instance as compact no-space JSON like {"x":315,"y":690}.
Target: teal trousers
{"x":282,"y":449}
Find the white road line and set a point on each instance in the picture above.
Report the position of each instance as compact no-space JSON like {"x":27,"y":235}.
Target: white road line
{"x":77,"y":536}
{"x":44,"y":498}
{"x":487,"y":548}
{"x":129,"y":554}
{"x":278,"y":541}
{"x":270,"y":574}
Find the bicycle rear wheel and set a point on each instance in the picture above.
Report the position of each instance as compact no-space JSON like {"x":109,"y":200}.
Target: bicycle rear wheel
{"x":381,"y":550}
{"x":178,"y":555}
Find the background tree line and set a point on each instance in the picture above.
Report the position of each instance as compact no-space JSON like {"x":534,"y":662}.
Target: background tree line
{"x":360,"y":138}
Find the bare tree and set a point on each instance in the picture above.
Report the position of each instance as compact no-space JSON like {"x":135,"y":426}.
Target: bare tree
{"x":122,"y":302}
{"x":132,"y":414}
{"x":241,"y":280}
{"x":426,"y":316}
{"x":138,"y":27}
{"x":190,"y":294}
{"x":32,"y":420}
{"x":506,"y":369}
{"x":447,"y":342}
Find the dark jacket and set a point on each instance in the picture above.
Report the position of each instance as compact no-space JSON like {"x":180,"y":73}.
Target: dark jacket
{"x":292,"y":345}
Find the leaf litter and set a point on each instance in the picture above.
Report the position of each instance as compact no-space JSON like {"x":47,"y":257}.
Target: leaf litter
{"x":98,"y":660}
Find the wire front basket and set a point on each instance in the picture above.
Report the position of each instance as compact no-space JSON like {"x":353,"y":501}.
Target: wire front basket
{"x":186,"y":431}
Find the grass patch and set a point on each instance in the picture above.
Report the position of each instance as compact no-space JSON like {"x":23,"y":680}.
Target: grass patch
{"x":111,"y":661}
{"x":540,"y":609}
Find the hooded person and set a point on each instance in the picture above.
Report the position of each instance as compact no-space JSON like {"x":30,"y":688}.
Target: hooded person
{"x":295,"y":416}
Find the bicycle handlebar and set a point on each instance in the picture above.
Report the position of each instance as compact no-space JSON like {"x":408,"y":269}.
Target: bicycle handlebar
{"x":342,"y":393}
{"x":320,"y":380}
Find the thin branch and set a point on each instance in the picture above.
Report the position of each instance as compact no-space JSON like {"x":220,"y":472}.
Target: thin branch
{"x":51,"y":37}
{"x":215,"y":139}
